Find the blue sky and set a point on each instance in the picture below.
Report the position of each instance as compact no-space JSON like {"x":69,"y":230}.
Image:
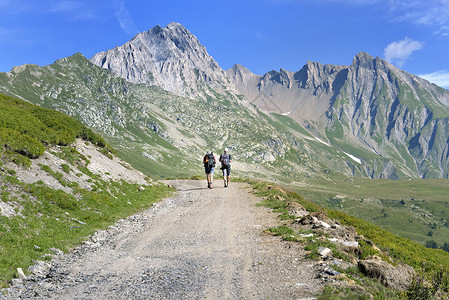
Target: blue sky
{"x":261,"y":35}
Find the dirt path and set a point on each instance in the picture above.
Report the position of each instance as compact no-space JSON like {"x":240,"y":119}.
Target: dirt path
{"x":199,"y":244}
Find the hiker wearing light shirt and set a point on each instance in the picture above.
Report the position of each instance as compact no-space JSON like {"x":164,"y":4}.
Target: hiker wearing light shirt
{"x":225,"y":160}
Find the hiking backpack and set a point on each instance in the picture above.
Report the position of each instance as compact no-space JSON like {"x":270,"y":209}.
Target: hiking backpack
{"x":225,"y":159}
{"x":210,"y":161}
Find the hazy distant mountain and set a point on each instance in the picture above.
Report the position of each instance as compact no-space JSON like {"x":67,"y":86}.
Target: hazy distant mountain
{"x":367,"y":119}
{"x":305,"y":94}
{"x":369,"y":108}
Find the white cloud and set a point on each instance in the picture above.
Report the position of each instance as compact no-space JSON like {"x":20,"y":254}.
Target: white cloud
{"x":124,"y":18}
{"x":398,"y":52}
{"x":433,"y":14}
{"x":443,"y":31}
{"x":73,"y":9}
{"x":440,"y":78}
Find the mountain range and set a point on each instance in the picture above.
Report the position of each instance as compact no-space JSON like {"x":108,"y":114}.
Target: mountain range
{"x":161,"y":100}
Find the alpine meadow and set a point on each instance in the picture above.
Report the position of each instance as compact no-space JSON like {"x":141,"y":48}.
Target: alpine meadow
{"x":368,"y":143}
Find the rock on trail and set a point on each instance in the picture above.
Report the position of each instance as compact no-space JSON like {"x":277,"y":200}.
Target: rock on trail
{"x":198,"y":244}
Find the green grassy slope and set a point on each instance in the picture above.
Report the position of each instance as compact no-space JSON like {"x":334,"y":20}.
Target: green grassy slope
{"x":415,"y":209}
{"x":431,"y":265}
{"x":41,"y":217}
{"x":25,"y":129}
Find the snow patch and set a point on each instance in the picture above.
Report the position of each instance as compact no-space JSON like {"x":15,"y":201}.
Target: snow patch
{"x":286,"y":114}
{"x":356,"y":159}
{"x":322,"y":142}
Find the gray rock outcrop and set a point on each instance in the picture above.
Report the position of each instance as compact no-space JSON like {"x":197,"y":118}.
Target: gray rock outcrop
{"x":398,"y":278}
{"x":169,"y":57}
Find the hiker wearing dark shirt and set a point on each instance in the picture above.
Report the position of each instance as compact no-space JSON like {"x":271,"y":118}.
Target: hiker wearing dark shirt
{"x":225,"y":160}
{"x":209,"y":167}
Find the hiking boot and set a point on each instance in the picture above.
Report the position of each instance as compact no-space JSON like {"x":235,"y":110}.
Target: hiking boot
{"x":210,"y":185}
{"x":225,"y":184}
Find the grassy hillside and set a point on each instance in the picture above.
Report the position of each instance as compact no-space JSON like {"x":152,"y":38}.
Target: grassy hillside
{"x":415,"y":209}
{"x":431,"y":265}
{"x":45,"y":217}
{"x":25,"y":130}
{"x":165,"y":136}
{"x":154,"y":129}
{"x":36,"y":217}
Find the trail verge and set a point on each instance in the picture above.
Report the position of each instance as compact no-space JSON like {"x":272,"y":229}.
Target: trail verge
{"x":198,"y":244}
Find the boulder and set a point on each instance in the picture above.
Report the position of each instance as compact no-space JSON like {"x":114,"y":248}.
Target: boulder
{"x":398,"y":278}
{"x":21,"y":274}
{"x":324,"y":252}
{"x":40,"y":269}
{"x":349,"y":244}
{"x":306,"y":235}
{"x":315,"y":218}
{"x":322,"y":224}
{"x":297,"y":210}
{"x":57,"y":251}
{"x":347,"y":233}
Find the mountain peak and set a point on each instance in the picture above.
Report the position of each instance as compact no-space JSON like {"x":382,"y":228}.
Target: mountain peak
{"x":174,"y":25}
{"x":363,"y":56}
{"x":237,"y":68}
{"x":170,"y":57}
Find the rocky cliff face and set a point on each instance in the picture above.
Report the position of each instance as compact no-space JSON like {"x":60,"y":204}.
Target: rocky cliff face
{"x":395,"y":122}
{"x":170,"y":57}
{"x":397,"y":115}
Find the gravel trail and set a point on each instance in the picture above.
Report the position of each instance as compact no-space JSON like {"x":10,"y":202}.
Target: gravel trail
{"x":198,"y":244}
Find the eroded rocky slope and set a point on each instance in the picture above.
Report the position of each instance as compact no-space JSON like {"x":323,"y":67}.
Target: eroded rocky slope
{"x":395,"y":122}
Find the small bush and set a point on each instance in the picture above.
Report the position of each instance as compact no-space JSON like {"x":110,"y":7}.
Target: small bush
{"x":20,"y":143}
{"x":66,"y":168}
{"x":285,"y":232}
{"x":427,"y":285}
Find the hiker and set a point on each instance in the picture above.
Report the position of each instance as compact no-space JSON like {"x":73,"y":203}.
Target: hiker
{"x":209,"y":167}
{"x":225,"y":160}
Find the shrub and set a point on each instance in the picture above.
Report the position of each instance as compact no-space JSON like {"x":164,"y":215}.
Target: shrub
{"x":20,"y":143}
{"x":431,"y":244}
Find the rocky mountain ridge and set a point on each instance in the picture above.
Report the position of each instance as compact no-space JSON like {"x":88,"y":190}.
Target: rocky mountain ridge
{"x":165,"y":135}
{"x":369,"y":106}
{"x":385,"y":122}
